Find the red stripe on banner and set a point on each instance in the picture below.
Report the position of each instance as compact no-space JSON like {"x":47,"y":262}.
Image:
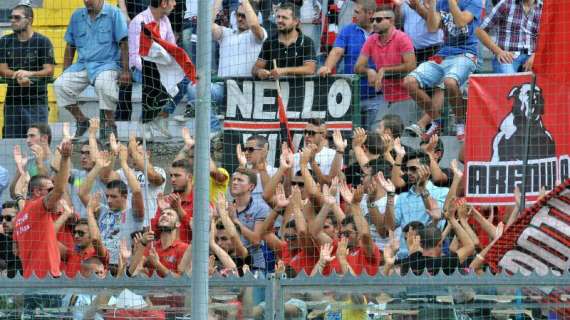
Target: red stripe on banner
{"x":505,"y":200}
{"x":250,"y":125}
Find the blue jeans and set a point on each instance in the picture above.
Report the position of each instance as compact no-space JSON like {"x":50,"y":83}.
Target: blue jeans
{"x":217,"y":91}
{"x":190,"y":28}
{"x":17,"y":119}
{"x":514,"y":67}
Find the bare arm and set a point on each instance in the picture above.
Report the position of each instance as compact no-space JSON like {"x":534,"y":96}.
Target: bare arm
{"x":94,"y":232}
{"x":51,"y":200}
{"x":253,"y":21}
{"x":433,"y":17}
{"x":68,"y":56}
{"x":137,"y":202}
{"x":461,"y":18}
{"x":467,"y":247}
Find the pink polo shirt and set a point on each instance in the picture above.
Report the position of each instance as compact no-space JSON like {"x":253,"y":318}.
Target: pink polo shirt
{"x":389,"y":54}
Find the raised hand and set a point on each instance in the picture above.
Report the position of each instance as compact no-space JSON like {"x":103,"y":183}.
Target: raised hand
{"x":429,"y":147}
{"x":335,"y":186}
{"x":281,"y":200}
{"x":124,"y":251}
{"x":328,"y":199}
{"x":174,"y":201}
{"x":339,"y":142}
{"x":113,"y":144}
{"x":188,"y":140}
{"x":66,"y":149}
{"x":342,"y":249}
{"x":93,"y":127}
{"x":123,"y":154}
{"x":286,"y":159}
{"x":398,"y":148}
{"x":387,"y":141}
{"x":346,"y":192}
{"x":359,"y":137}
{"x":326,"y":253}
{"x":242,"y":160}
{"x":416,"y":245}
{"x":103,"y":159}
{"x":222,"y":204}
{"x":19,"y":159}
{"x":455,"y":169}
{"x":423,"y":175}
{"x":161,"y":201}
{"x":357,"y":195}
{"x":65,"y":131}
{"x":386,"y":184}
{"x":94,"y":202}
{"x":38,"y":152}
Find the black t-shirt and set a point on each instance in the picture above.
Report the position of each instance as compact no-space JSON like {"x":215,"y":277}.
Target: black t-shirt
{"x":294,"y":55}
{"x":28,"y":55}
{"x":135,"y":7}
{"x":418,"y":263}
{"x":7,"y":258}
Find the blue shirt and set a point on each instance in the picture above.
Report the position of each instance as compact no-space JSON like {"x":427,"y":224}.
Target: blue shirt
{"x":415,"y":26}
{"x":351,"y":38}
{"x":410,"y":207}
{"x":459,"y":40}
{"x":97,"y":41}
{"x":256,"y":211}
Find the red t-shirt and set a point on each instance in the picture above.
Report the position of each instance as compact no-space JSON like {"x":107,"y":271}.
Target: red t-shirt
{"x":65,"y":236}
{"x":304,"y":259}
{"x":389,"y":54}
{"x":357,"y":260}
{"x":169,"y":257}
{"x":185,"y":232}
{"x":37,"y":243}
{"x":74,"y":260}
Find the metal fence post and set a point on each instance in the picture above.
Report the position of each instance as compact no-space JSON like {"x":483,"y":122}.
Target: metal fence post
{"x":201,"y":224}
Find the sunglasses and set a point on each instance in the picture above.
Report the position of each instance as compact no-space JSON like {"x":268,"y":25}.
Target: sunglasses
{"x":7,"y":218}
{"x":79,"y":233}
{"x":83,"y":153}
{"x":16,"y":17}
{"x":240,"y":15}
{"x":290,"y":237}
{"x":298,"y":184}
{"x":379,"y":19}
{"x":312,"y":132}
{"x":250,"y":149}
{"x":222,"y":238}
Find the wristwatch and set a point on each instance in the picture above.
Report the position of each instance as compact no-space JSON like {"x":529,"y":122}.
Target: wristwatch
{"x":371,"y":205}
{"x":425,"y":194}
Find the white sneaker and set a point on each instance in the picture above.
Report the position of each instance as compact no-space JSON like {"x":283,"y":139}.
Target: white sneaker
{"x":162,"y":127}
{"x":148,"y":133}
{"x":460,"y":132}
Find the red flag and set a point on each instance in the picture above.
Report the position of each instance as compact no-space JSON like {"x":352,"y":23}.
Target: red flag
{"x":283,"y":122}
{"x":150,"y":35}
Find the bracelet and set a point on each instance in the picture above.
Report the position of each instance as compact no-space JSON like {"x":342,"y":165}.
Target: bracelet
{"x":238,"y":228}
{"x":397,"y":164}
{"x":480,"y":257}
{"x":340,"y":152}
{"x":280,"y":211}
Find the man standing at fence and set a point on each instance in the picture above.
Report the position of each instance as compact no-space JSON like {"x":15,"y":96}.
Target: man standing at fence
{"x":293,"y":52}
{"x":98,"y":33}
{"x":516,"y":24}
{"x":348,"y":45}
{"x":392,"y":52}
{"x":34,"y":230}
{"x":26,"y":62}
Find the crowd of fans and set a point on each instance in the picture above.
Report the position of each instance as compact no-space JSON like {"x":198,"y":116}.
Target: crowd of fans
{"x":375,"y":206}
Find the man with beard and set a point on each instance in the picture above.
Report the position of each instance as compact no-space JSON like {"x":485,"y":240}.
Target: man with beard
{"x":181,"y":199}
{"x":8,"y":260}
{"x":392,"y":52}
{"x":293,"y":51}
{"x":98,"y":33}
{"x":238,"y":52}
{"x":168,"y":255}
{"x":26,"y":62}
{"x":422,"y":202}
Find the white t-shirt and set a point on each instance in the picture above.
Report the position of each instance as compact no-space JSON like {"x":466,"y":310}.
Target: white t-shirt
{"x":153,"y":191}
{"x":258,"y":191}
{"x":381,"y":205}
{"x":238,"y":52}
{"x":309,"y":10}
{"x":192,"y":9}
{"x":324,"y":158}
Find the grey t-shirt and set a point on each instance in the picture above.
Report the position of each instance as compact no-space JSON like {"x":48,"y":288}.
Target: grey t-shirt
{"x":115,"y":226}
{"x":76,"y":180}
{"x":256,"y":211}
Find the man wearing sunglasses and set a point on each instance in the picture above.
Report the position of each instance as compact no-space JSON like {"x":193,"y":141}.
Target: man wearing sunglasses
{"x":254,"y":156}
{"x":27,"y":63}
{"x":393,"y":55}
{"x":422,"y":202}
{"x":7,"y":255}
